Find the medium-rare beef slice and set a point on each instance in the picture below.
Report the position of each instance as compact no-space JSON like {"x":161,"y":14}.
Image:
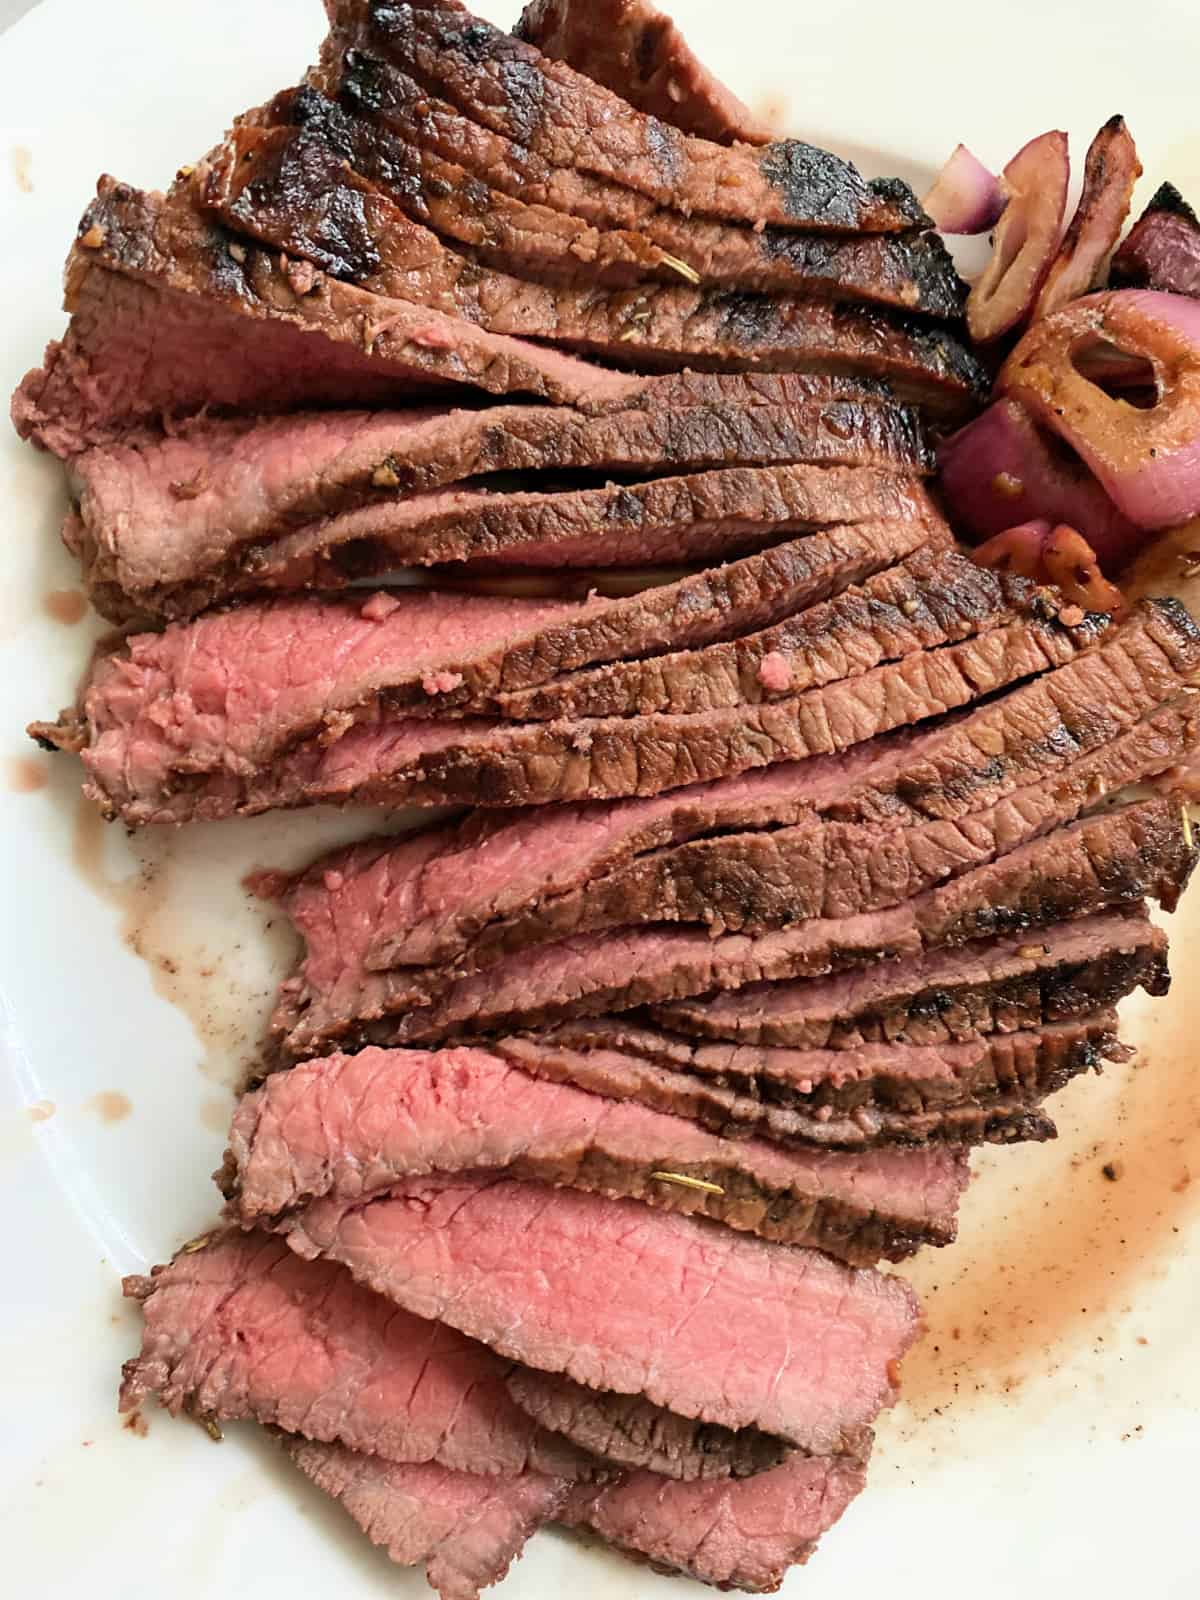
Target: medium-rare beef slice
{"x":640,"y":54}
{"x":633,"y":1433}
{"x":1118,"y":858}
{"x":751,"y":882}
{"x":464,"y":1529}
{"x":763,"y":258}
{"x":273,"y":671}
{"x":912,"y":272}
{"x":211,"y":487}
{"x":735,"y":1535}
{"x":477,"y":760}
{"x":987,"y":1089}
{"x":288,"y":189}
{"x":573,"y":122}
{"x":704,"y":1321}
{"x":645,"y":523}
{"x":240,"y":1327}
{"x":934,"y":597}
{"x":173,"y":315}
{"x":350,"y":1126}
{"x":1002,"y":986}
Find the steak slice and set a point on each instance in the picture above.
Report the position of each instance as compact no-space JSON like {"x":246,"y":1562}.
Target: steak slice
{"x":1002,"y":986}
{"x":237,"y":686}
{"x":988,"y":1089}
{"x":631,"y":1432}
{"x":240,"y":1327}
{"x":465,"y":1530}
{"x":289,"y":189}
{"x":641,"y":55}
{"x":212,"y":487}
{"x":907,"y":269}
{"x":735,"y":1535}
{"x":645,"y":523}
{"x":1162,"y":249}
{"x":701,"y":1320}
{"x":478,"y":761}
{"x":912,"y":272}
{"x":351,"y":1126}
{"x":1102,"y":862}
{"x":573,"y":122}
{"x":172,"y":315}
{"x":934,"y":597}
{"x":751,"y":882}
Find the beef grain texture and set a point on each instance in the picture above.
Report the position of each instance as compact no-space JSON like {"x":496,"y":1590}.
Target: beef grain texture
{"x":736,"y":1535}
{"x":386,"y":104}
{"x":572,"y":122}
{"x":684,"y":517}
{"x":212,"y":487}
{"x":481,"y":762}
{"x":293,"y":192}
{"x":240,"y":1328}
{"x":1162,"y":249}
{"x":630,"y":1431}
{"x":641,"y":55}
{"x":1117,"y":858}
{"x":1001,"y":986}
{"x":933,"y":598}
{"x":172,"y":316}
{"x":703,"y":1321}
{"x":315,"y":1131}
{"x":251,"y":669}
{"x":465,"y":1530}
{"x":987,"y":1090}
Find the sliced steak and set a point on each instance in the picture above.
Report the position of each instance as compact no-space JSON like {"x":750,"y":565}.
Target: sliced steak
{"x":477,"y":761}
{"x":1162,"y":249}
{"x":701,"y":1320}
{"x":240,"y":1327}
{"x":739,"y":1535}
{"x":172,"y":315}
{"x":351,"y":1126}
{"x":934,"y":597}
{"x":988,"y":1089}
{"x":210,"y":488}
{"x":1115,"y":859}
{"x":645,"y":523}
{"x":1003,"y":986}
{"x":463,"y":1529}
{"x":905,"y":269}
{"x":752,"y":882}
{"x":633,"y":1433}
{"x":641,"y":55}
{"x":237,"y":686}
{"x":573,"y":122}
{"x":290,"y":190}
{"x":912,"y":272}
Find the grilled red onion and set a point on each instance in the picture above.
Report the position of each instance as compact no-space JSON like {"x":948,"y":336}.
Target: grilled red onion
{"x":1026,"y":237}
{"x":966,"y":197}
{"x":1017,"y":550}
{"x":1145,"y":456}
{"x":1055,"y":555}
{"x":1002,"y":468}
{"x":1111,"y":170}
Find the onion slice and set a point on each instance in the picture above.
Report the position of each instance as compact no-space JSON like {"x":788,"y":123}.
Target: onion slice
{"x":966,"y":197}
{"x":1054,"y":555}
{"x":1026,"y":238}
{"x":1146,"y":457}
{"x":1002,"y":469}
{"x":1110,"y":172}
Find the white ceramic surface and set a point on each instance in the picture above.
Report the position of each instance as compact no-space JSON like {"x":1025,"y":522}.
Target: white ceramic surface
{"x":1050,"y":1426}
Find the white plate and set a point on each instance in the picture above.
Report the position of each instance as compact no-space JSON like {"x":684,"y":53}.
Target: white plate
{"x":1052,"y":1418}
